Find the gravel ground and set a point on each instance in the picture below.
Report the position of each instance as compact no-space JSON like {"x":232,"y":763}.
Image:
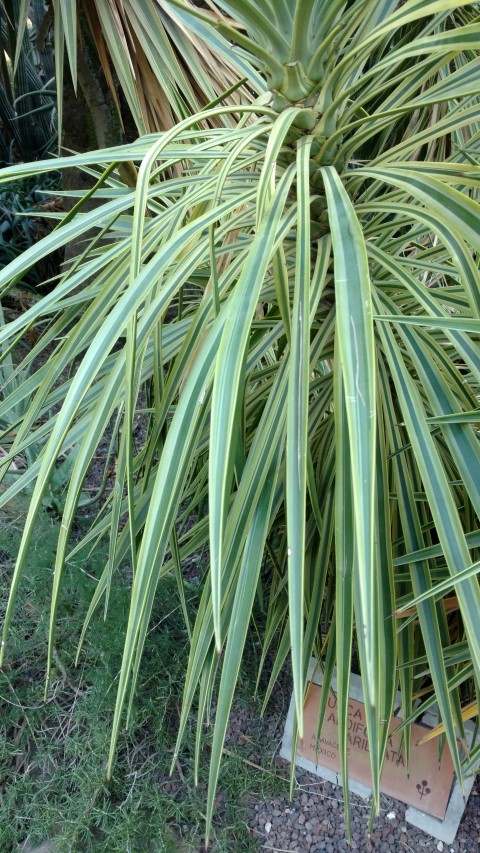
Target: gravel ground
{"x":314,"y":821}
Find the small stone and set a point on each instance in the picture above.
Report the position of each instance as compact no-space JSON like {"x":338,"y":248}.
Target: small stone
{"x":44,"y":848}
{"x":301,"y":818}
{"x":268,"y":827}
{"x":391,"y":816}
{"x":440,"y":846}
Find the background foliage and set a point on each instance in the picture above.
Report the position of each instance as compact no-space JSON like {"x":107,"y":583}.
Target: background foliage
{"x":27,"y":86}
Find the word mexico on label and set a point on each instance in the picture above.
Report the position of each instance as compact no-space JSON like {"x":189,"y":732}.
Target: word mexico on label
{"x":428,"y":784}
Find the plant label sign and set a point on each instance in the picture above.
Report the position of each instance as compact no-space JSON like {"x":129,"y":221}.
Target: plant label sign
{"x":435,"y":800}
{"x":428,"y":784}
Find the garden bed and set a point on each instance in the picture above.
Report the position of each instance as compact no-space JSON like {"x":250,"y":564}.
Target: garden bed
{"x":52,"y":785}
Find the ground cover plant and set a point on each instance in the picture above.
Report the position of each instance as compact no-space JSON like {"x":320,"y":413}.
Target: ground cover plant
{"x":290,"y":287}
{"x":52,"y":755}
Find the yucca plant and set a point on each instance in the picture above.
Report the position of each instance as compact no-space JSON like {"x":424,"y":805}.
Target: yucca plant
{"x":292,"y":304}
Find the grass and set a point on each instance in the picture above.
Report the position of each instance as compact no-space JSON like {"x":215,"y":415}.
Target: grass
{"x":53,"y":754}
